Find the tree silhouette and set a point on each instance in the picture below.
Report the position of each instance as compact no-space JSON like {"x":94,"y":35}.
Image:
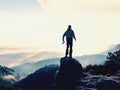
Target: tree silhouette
{"x":113,"y":58}
{"x":111,"y":66}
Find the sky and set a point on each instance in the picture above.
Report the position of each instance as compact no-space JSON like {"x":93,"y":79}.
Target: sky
{"x":41,"y":24}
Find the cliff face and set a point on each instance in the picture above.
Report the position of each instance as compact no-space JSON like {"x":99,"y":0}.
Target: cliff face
{"x":70,"y":77}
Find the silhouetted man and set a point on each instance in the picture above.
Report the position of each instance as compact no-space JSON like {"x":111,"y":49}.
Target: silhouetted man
{"x":69,"y":40}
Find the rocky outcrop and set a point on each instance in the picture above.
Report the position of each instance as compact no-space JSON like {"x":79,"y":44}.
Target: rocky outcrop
{"x":70,"y":77}
{"x":99,"y":82}
{"x":70,"y":70}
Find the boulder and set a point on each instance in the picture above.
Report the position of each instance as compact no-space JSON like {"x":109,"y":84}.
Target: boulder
{"x":70,"y":69}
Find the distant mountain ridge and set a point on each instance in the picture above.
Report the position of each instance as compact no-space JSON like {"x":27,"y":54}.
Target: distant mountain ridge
{"x":15,"y":59}
{"x":85,"y":60}
{"x":91,"y":59}
{"x":11,"y":57}
{"x":29,"y":68}
{"x":112,"y":48}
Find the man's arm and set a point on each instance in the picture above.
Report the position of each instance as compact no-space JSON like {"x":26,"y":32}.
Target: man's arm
{"x":74,"y":35}
{"x":63,"y":38}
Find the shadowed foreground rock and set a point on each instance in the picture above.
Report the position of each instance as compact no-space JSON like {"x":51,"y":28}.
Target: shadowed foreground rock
{"x":70,"y":70}
{"x":107,"y":85}
{"x":71,"y":77}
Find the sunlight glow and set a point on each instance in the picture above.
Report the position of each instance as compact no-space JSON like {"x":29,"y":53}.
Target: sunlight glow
{"x":96,"y":25}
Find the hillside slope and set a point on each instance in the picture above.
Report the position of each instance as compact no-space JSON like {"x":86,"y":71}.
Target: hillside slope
{"x":8,"y":76}
{"x":42,"y":79}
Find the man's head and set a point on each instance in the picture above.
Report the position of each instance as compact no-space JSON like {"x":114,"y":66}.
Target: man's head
{"x":69,"y":26}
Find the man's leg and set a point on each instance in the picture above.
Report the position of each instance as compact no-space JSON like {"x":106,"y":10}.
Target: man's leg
{"x":70,"y":53}
{"x":67,"y":47}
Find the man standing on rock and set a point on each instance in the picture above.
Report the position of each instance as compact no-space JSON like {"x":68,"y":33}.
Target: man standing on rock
{"x":69,"y":33}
